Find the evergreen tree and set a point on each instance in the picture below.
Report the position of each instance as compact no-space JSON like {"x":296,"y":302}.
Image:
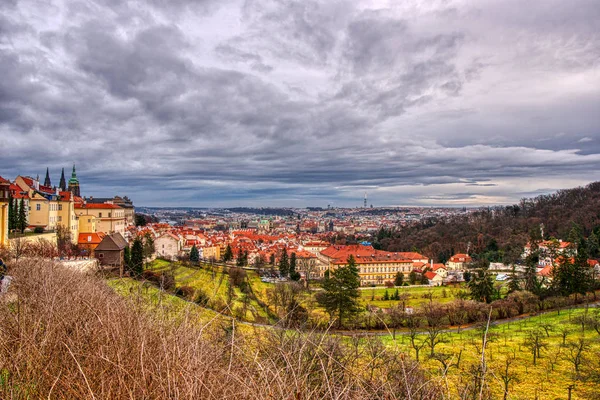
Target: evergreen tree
{"x":284,"y":264}
{"x":482,"y":286}
{"x":239,"y":261}
{"x":531,"y":262}
{"x":386,"y":295}
{"x":22,"y":219}
{"x":412,"y":277}
{"x":399,"y":280}
{"x":513,"y":283}
{"x":340,"y":295}
{"x":12,"y":216}
{"x":294,"y":275}
{"x":228,"y":255}
{"x":127,"y":257}
{"x":140,"y":220}
{"x":136,"y":265}
{"x":467,"y":276}
{"x":396,"y":295}
{"x":272,"y":259}
{"x":194,"y":254}
{"x":148,"y":245}
{"x":572,"y":274}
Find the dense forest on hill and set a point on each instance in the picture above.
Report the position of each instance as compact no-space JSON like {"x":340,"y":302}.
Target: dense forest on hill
{"x":499,"y":233}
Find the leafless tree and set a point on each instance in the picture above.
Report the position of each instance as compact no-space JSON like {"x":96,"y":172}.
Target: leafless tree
{"x":414,"y":323}
{"x":507,"y":376}
{"x":309,"y":267}
{"x":19,"y":247}
{"x":574,"y":353}
{"x":435,"y":323}
{"x":535,"y":343}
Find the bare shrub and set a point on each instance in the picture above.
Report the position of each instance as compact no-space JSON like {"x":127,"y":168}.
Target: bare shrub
{"x":65,"y":335}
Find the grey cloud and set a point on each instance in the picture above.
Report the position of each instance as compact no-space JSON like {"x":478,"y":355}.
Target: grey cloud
{"x":234,"y":54}
{"x":308,"y":100}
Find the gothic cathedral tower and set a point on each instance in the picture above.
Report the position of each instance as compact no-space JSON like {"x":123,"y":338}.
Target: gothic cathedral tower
{"x":74,"y":184}
{"x":63,"y":183}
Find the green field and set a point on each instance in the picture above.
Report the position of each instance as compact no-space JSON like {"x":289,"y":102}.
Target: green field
{"x":416,"y":295}
{"x":455,"y":357}
{"x":214,"y":284}
{"x":152,"y":299}
{"x":549,"y":379}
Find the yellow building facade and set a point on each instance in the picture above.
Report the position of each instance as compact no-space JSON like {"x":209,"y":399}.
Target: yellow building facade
{"x":4,"y":194}
{"x":87,"y":223}
{"x":49,"y":208}
{"x":109,"y":218}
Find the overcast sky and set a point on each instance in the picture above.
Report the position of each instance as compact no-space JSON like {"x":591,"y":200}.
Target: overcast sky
{"x":303,"y":103}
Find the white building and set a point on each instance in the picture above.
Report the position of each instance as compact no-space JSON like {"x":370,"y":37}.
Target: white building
{"x":168,"y":245}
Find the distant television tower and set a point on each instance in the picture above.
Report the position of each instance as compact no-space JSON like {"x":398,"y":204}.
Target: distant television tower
{"x":365,"y":204}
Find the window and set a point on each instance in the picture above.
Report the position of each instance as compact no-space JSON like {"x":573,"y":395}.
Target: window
{"x":60,"y":207}
{"x":99,"y":215}
{"x":59,"y":218}
{"x":38,"y":207}
{"x":108,"y":215}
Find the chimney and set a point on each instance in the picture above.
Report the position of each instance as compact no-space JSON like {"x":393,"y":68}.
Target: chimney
{"x":36,"y":184}
{"x":432,"y":264}
{"x":57,"y":191}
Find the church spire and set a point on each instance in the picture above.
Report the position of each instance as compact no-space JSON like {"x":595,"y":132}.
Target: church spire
{"x":47,"y":180}
{"x":74,"y":183}
{"x":63,"y":182}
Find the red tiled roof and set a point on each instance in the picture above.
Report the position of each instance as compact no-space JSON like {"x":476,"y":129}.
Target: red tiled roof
{"x":66,"y":196}
{"x":367,"y":254}
{"x":430,"y":275}
{"x":17,"y":192}
{"x":90,"y":238}
{"x":171,"y":235}
{"x":47,"y":189}
{"x":460,"y":258}
{"x":28,"y":181}
{"x":546,"y":271}
{"x":2,"y":180}
{"x":438,"y":266}
{"x":97,"y":206}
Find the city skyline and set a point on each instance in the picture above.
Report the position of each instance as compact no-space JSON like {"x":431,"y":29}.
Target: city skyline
{"x":269,"y":103}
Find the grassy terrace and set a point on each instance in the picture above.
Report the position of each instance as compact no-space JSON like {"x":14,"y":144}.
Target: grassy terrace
{"x":155,"y":300}
{"x":214,"y":284}
{"x":548,"y":379}
{"x":416,"y":295}
{"x":460,"y":351}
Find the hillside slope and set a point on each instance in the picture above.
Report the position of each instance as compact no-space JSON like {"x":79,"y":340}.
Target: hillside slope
{"x":501,"y":231}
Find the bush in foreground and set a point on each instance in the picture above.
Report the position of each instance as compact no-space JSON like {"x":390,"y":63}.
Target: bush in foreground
{"x":65,"y":335}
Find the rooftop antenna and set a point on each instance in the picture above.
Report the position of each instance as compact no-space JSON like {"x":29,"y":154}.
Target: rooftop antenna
{"x":365,"y":204}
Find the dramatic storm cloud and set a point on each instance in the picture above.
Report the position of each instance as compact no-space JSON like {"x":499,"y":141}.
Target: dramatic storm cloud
{"x":294,"y":103}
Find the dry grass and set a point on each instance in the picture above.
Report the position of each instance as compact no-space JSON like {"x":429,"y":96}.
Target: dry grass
{"x":69,"y":336}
